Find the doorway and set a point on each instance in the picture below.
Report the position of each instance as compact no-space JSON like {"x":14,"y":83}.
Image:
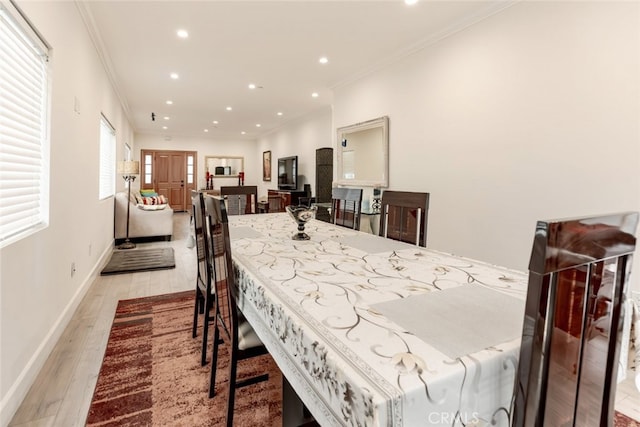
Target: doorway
{"x":171,"y":174}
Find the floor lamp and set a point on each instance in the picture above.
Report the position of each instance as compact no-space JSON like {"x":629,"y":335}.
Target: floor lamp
{"x":128,"y":169}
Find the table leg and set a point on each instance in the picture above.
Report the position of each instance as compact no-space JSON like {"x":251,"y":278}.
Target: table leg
{"x":292,"y":406}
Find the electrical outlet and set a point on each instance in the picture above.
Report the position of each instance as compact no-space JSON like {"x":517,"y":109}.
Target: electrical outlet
{"x":73,"y":268}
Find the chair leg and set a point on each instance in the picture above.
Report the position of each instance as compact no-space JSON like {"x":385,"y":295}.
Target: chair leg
{"x":214,"y":361}
{"x":233,"y":365}
{"x":197,"y":308}
{"x":205,"y":331}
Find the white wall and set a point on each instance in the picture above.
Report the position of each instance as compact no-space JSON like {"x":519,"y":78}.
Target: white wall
{"x":207,"y":147}
{"x":299,"y":138}
{"x":531,"y":114}
{"x":37,"y":293}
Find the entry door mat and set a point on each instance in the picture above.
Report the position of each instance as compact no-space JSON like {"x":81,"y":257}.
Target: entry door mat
{"x":131,"y":261}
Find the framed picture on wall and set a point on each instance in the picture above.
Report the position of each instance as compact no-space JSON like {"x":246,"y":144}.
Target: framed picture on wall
{"x":266,"y":166}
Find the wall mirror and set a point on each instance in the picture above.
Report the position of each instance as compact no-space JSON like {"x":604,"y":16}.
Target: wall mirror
{"x":363,"y":153}
{"x":219,"y":166}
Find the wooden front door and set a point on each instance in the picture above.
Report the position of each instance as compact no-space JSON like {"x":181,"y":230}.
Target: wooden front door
{"x":171,"y":174}
{"x":170,"y":177}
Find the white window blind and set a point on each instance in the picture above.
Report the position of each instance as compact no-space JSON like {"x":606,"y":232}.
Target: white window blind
{"x":24,"y":198}
{"x":107,"y":160}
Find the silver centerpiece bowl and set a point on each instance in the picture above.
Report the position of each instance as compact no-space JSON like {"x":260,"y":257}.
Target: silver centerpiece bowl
{"x":301,"y":215}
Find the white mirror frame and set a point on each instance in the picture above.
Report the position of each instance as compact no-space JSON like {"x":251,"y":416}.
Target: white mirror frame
{"x":383,"y":180}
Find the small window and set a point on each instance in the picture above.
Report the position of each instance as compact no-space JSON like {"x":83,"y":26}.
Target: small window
{"x":24,"y":144}
{"x":189,"y":169}
{"x":107,"y":159}
{"x":148,"y":163}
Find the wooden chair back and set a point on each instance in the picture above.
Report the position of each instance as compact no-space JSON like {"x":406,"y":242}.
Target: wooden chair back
{"x":204,"y":300}
{"x":276,"y":203}
{"x":403,"y":216}
{"x":227,"y":319}
{"x":197,"y":220}
{"x":220,"y":263}
{"x":306,"y":201}
{"x":578,"y":276}
{"x":240,"y":200}
{"x":345,"y":207}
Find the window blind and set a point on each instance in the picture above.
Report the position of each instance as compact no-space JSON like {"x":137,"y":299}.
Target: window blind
{"x":23,"y":127}
{"x":107,"y":160}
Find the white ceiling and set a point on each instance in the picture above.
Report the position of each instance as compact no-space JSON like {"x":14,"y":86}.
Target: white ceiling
{"x":273,"y":44}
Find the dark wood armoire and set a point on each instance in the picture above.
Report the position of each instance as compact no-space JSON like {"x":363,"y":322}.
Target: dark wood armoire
{"x":324,"y":180}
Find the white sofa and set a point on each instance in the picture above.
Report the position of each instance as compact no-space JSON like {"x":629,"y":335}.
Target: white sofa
{"x":143,"y":224}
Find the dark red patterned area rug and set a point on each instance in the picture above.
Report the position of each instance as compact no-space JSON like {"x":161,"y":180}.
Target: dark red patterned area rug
{"x":151,"y":373}
{"x":621,"y":420}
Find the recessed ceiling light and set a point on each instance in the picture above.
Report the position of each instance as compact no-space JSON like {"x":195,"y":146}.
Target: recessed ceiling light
{"x":323,"y":60}
{"x":166,"y":117}
{"x":243,"y":132}
{"x":410,"y":2}
{"x":165,"y":128}
{"x":252,"y":86}
{"x":169,"y":102}
{"x":258,"y":125}
{"x":183,"y":34}
{"x":215,"y":122}
{"x":206,"y":130}
{"x":315,"y":94}
{"x":279,"y":113}
{"x":174,"y":76}
{"x":229,"y":108}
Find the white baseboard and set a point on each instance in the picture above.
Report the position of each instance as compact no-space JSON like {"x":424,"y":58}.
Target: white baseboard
{"x":19,"y":389}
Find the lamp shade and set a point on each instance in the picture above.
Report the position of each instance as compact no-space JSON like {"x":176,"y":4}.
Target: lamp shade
{"x":129,"y":167}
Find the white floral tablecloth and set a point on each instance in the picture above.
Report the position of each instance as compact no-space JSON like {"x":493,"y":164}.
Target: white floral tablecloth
{"x":313,"y":305}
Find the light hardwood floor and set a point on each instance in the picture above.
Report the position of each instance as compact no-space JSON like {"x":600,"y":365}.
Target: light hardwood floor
{"x":62,"y":392}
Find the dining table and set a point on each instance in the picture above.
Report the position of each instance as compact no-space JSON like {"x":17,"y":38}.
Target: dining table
{"x":375,"y":332}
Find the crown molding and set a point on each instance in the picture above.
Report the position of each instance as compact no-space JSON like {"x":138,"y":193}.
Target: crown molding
{"x":462,"y":24}
{"x":103,"y":54}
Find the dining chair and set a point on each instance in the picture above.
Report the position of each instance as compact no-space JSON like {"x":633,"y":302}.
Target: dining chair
{"x":240,"y":200}
{"x":204,"y":293}
{"x":196,"y":222}
{"x":276,"y":203}
{"x":578,"y":275}
{"x":229,"y":325}
{"x":403,"y":216}
{"x":345,"y":207}
{"x":306,"y":201}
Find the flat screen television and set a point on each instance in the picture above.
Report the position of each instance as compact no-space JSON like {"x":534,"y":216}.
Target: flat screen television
{"x":288,"y":173}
